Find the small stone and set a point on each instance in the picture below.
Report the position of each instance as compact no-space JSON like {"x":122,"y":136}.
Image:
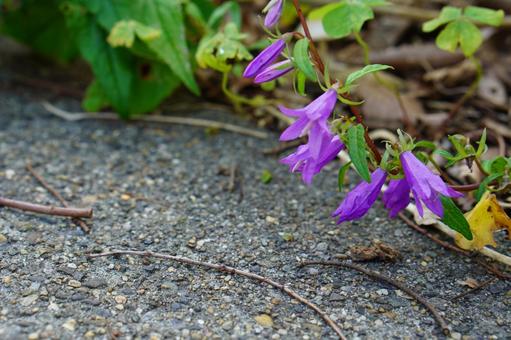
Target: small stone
{"x":28,"y":300}
{"x":74,"y":284}
{"x":3,"y":238}
{"x":125,"y":197}
{"x":382,"y":292}
{"x":378,"y":323}
{"x":70,"y":325}
{"x":94,"y":283}
{"x":120,"y":299}
{"x":6,"y":280}
{"x":33,"y":336}
{"x":89,"y":334}
{"x":322,"y":246}
{"x":264,"y":320}
{"x":227,"y":326}
{"x":119,"y":307}
{"x":192,"y":243}
{"x":456,"y":336}
{"x":272,"y":220}
{"x":9,"y":173}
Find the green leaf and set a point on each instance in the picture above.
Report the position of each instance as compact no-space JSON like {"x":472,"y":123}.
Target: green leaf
{"x":347,"y":18}
{"x":485,"y":15}
{"x":447,"y":14}
{"x":425,"y":144}
{"x":229,"y":7}
{"x":95,"y":98}
{"x":124,"y":32}
{"x":498,"y":165}
{"x":357,"y":150}
{"x":300,"y":82}
{"x":41,"y":25}
{"x":302,"y":59}
{"x":319,"y":13}
{"x":484,"y":184}
{"x":342,"y":175}
{"x":461,"y":32}
{"x":481,"y":144}
{"x":454,"y":219}
{"x":165,"y":16}
{"x":362,"y":72}
{"x":266,"y":176}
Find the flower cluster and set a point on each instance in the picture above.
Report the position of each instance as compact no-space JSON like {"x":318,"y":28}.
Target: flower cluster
{"x":414,"y":178}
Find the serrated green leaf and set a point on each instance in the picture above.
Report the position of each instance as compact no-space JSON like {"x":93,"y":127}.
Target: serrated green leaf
{"x":347,"y":18}
{"x":342,"y":175}
{"x":362,"y":72}
{"x":356,"y":146}
{"x":485,"y":15}
{"x":302,"y":59}
{"x":454,"y":219}
{"x":447,"y":14}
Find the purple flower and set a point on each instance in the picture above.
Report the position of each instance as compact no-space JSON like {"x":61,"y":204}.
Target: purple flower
{"x":359,"y":200}
{"x":425,"y":185}
{"x":311,"y":118}
{"x":397,"y":196}
{"x":274,"y":9}
{"x":274,"y":71}
{"x":264,"y":59}
{"x":303,"y":161}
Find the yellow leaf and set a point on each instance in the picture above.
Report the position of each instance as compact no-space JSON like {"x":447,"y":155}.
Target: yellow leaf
{"x":486,"y":218}
{"x":124,"y":32}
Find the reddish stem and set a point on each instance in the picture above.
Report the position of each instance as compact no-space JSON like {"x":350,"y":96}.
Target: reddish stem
{"x":46,"y":209}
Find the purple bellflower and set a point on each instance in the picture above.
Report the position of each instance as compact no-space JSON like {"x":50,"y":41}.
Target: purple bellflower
{"x":303,"y":161}
{"x":264,"y":59}
{"x":425,"y":185}
{"x":274,"y":71}
{"x":397,"y":196}
{"x":359,"y":200}
{"x":274,"y":9}
{"x":313,"y":119}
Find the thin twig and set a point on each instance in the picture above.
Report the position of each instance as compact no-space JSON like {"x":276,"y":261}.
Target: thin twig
{"x":229,"y":270}
{"x":156,"y":119}
{"x":452,"y":247}
{"x":232,"y":177}
{"x":380,"y":277}
{"x":46,"y":209}
{"x":473,"y":290}
{"x":55,"y":193}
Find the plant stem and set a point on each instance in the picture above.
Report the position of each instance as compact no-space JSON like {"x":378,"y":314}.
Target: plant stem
{"x":321,"y":68}
{"x":46,"y":209}
{"x":236,"y":99}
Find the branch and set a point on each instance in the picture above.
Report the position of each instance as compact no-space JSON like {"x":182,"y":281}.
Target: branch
{"x":229,"y":270}
{"x":55,"y":193}
{"x":380,"y":277}
{"x":46,"y":209}
{"x":156,"y":119}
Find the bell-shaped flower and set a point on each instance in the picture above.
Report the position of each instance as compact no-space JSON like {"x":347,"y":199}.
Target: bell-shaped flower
{"x":274,"y":9}
{"x":397,"y":196}
{"x":264,"y":59}
{"x":274,"y":71}
{"x":425,"y":185}
{"x":303,"y":161}
{"x":359,"y":200}
{"x":312,"y":119}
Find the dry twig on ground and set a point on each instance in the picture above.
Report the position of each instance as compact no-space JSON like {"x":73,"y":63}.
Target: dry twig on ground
{"x":380,"y":277}
{"x":229,"y":270}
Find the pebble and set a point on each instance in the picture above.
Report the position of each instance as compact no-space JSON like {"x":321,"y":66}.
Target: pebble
{"x":70,"y":325}
{"x":120,"y":299}
{"x":3,"y":238}
{"x":74,"y":284}
{"x":264,"y":320}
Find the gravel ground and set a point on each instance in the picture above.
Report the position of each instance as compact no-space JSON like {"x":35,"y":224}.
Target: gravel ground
{"x":164,"y":188}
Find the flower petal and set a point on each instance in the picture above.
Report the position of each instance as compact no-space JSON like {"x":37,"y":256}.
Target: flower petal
{"x":264,"y":59}
{"x":294,"y":130}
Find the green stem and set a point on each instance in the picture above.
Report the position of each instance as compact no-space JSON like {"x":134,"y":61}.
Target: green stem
{"x":237,"y":99}
{"x":392,"y":87}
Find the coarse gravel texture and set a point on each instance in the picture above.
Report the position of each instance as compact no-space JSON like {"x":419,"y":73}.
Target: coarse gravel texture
{"x":165,"y":188}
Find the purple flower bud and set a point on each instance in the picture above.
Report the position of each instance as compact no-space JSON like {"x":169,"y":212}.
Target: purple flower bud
{"x":359,"y":200}
{"x":274,"y":13}
{"x":264,"y":59}
{"x":274,"y":71}
{"x":303,"y":161}
{"x":425,"y":185}
{"x":313,"y":118}
{"x":397,"y":196}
